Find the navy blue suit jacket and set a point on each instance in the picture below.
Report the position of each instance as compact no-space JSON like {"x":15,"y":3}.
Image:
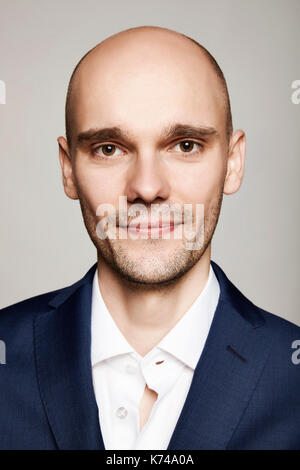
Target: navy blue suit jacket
{"x":245,"y":392}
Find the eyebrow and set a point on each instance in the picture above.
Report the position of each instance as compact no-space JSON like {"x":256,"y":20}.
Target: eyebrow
{"x":170,"y":132}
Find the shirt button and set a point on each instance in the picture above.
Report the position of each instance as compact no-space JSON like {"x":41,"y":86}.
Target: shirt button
{"x":121,"y":412}
{"x":131,"y":369}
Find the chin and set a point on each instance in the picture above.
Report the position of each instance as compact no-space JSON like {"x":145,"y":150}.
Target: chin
{"x":151,"y":267}
{"x":148,"y":279}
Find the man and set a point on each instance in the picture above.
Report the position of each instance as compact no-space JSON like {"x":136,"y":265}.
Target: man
{"x":154,"y":348}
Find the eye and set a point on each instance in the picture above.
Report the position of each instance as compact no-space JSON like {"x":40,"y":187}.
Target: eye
{"x":186,"y":146}
{"x":107,"y":150}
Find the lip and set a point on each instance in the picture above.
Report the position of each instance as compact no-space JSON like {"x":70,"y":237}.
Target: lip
{"x":156,"y":228}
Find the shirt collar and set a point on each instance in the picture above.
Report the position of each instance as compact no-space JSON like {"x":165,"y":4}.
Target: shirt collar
{"x":107,"y":339}
{"x":185,"y":340}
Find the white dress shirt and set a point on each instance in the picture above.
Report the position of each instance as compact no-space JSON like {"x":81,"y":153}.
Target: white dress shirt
{"x":120,"y":374}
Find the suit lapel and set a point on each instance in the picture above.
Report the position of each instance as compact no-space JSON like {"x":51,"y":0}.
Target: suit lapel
{"x":62,"y":342}
{"x":226,"y":374}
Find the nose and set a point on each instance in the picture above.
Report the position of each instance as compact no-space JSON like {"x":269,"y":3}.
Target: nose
{"x":147,"y":179}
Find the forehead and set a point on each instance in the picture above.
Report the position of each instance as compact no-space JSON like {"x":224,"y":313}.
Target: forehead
{"x":140,"y":84}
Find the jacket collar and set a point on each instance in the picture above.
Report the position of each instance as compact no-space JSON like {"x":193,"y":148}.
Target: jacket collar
{"x":224,"y":379}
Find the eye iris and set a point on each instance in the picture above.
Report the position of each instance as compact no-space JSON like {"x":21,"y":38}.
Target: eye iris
{"x":108,"y":149}
{"x":186,"y":145}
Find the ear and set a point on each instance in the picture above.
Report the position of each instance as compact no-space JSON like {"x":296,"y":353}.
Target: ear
{"x":235,"y":162}
{"x":67,"y":170}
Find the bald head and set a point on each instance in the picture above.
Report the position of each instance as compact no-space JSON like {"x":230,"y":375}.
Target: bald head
{"x":135,"y":49}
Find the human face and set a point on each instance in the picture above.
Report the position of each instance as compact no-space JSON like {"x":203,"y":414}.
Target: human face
{"x":150,"y":126}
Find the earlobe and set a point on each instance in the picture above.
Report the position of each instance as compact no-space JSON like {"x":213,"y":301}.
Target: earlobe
{"x":67,"y":170}
{"x":235,"y":162}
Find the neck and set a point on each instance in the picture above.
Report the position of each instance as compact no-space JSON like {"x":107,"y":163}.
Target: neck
{"x":145,"y":316}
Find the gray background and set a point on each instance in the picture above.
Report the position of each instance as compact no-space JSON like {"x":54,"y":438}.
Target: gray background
{"x":44,"y":244}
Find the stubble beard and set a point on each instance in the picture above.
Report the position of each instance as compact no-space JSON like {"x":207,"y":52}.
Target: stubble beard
{"x":151,"y":270}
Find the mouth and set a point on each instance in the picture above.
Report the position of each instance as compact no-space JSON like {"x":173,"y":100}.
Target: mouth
{"x":151,"y":229}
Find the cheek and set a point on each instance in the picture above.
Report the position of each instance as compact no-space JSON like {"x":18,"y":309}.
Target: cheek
{"x":202,"y":183}
{"x":96,"y":186}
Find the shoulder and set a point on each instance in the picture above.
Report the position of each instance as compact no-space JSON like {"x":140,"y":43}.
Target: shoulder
{"x":252,"y":312}
{"x":277,"y":323}
{"x":281,"y":335}
{"x":284,"y":337}
{"x":280,"y":338}
{"x":26,"y":310}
